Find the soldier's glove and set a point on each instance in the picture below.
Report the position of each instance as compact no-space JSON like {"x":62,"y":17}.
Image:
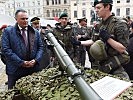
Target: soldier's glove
{"x":75,"y":42}
{"x":104,"y":35}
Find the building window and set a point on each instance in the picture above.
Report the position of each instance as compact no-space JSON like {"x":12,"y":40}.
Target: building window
{"x":118,"y":1}
{"x":52,"y":2}
{"x":53,"y":13}
{"x":56,"y":12}
{"x":48,"y":13}
{"x":28,"y":3}
{"x":127,"y":11}
{"x":59,"y":1}
{"x":75,"y":14}
{"x":18,"y":4}
{"x":83,"y":12}
{"x":56,"y":2}
{"x":59,"y":12}
{"x":33,"y":11}
{"x":23,"y":4}
{"x":47,"y":2}
{"x":127,"y":1}
{"x":8,"y":5}
{"x":38,"y":2}
{"x":29,"y":12}
{"x":9,"y":13}
{"x":118,"y":12}
{"x":13,"y":5}
{"x":39,"y":12}
{"x":65,"y":10}
{"x":65,"y":1}
{"x":91,"y":3}
{"x":75,"y":4}
{"x":33,"y":3}
{"x":83,"y":3}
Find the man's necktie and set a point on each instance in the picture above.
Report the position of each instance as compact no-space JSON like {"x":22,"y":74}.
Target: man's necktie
{"x":24,"y":36}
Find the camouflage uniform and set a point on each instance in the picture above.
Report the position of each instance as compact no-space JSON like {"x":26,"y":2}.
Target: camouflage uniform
{"x":85,"y":33}
{"x":113,"y":64}
{"x":63,"y":35}
{"x":129,"y":66}
{"x":81,"y":50}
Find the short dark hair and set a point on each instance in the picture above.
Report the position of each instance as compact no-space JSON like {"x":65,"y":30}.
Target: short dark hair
{"x":19,"y":10}
{"x":106,"y":4}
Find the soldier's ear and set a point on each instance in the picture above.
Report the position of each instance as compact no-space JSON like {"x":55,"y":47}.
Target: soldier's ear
{"x":107,"y":7}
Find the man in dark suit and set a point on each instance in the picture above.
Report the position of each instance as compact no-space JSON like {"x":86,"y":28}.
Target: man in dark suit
{"x":22,"y":47}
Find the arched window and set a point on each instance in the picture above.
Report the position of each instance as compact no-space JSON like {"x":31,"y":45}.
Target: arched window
{"x":52,"y":2}
{"x":59,"y":11}
{"x":47,"y":2}
{"x":65,"y":1}
{"x":53,"y":13}
{"x":56,"y":2}
{"x":65,"y":10}
{"x":84,"y":12}
{"x":56,"y":12}
{"x":48,"y":13}
{"x":59,"y":1}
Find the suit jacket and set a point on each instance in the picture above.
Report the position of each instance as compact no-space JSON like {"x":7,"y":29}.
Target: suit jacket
{"x":16,"y":52}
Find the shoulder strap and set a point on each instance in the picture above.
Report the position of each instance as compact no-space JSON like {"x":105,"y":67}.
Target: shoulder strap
{"x":110,"y":25}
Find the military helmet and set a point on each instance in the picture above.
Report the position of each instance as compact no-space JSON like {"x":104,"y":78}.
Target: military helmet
{"x":102,"y":1}
{"x":63,"y":14}
{"x":97,"y":50}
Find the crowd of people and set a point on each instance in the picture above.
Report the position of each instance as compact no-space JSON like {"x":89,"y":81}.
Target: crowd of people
{"x":108,"y":43}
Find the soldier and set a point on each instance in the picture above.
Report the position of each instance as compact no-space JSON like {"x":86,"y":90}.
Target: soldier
{"x":35,"y":23}
{"x":129,"y":66}
{"x":45,"y":61}
{"x":110,"y":51}
{"x":63,"y":32}
{"x":82,"y":33}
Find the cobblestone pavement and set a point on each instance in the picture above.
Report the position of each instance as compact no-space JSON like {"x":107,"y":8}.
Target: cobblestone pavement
{"x":3,"y":77}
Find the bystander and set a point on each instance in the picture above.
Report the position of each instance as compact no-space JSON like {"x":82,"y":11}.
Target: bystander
{"x":22,"y":47}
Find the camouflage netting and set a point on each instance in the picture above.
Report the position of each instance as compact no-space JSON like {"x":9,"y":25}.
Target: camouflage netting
{"x":49,"y":85}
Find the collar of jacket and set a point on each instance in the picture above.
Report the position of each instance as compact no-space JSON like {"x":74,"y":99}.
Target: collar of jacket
{"x":107,"y":20}
{"x":67,"y":27}
{"x":29,"y":28}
